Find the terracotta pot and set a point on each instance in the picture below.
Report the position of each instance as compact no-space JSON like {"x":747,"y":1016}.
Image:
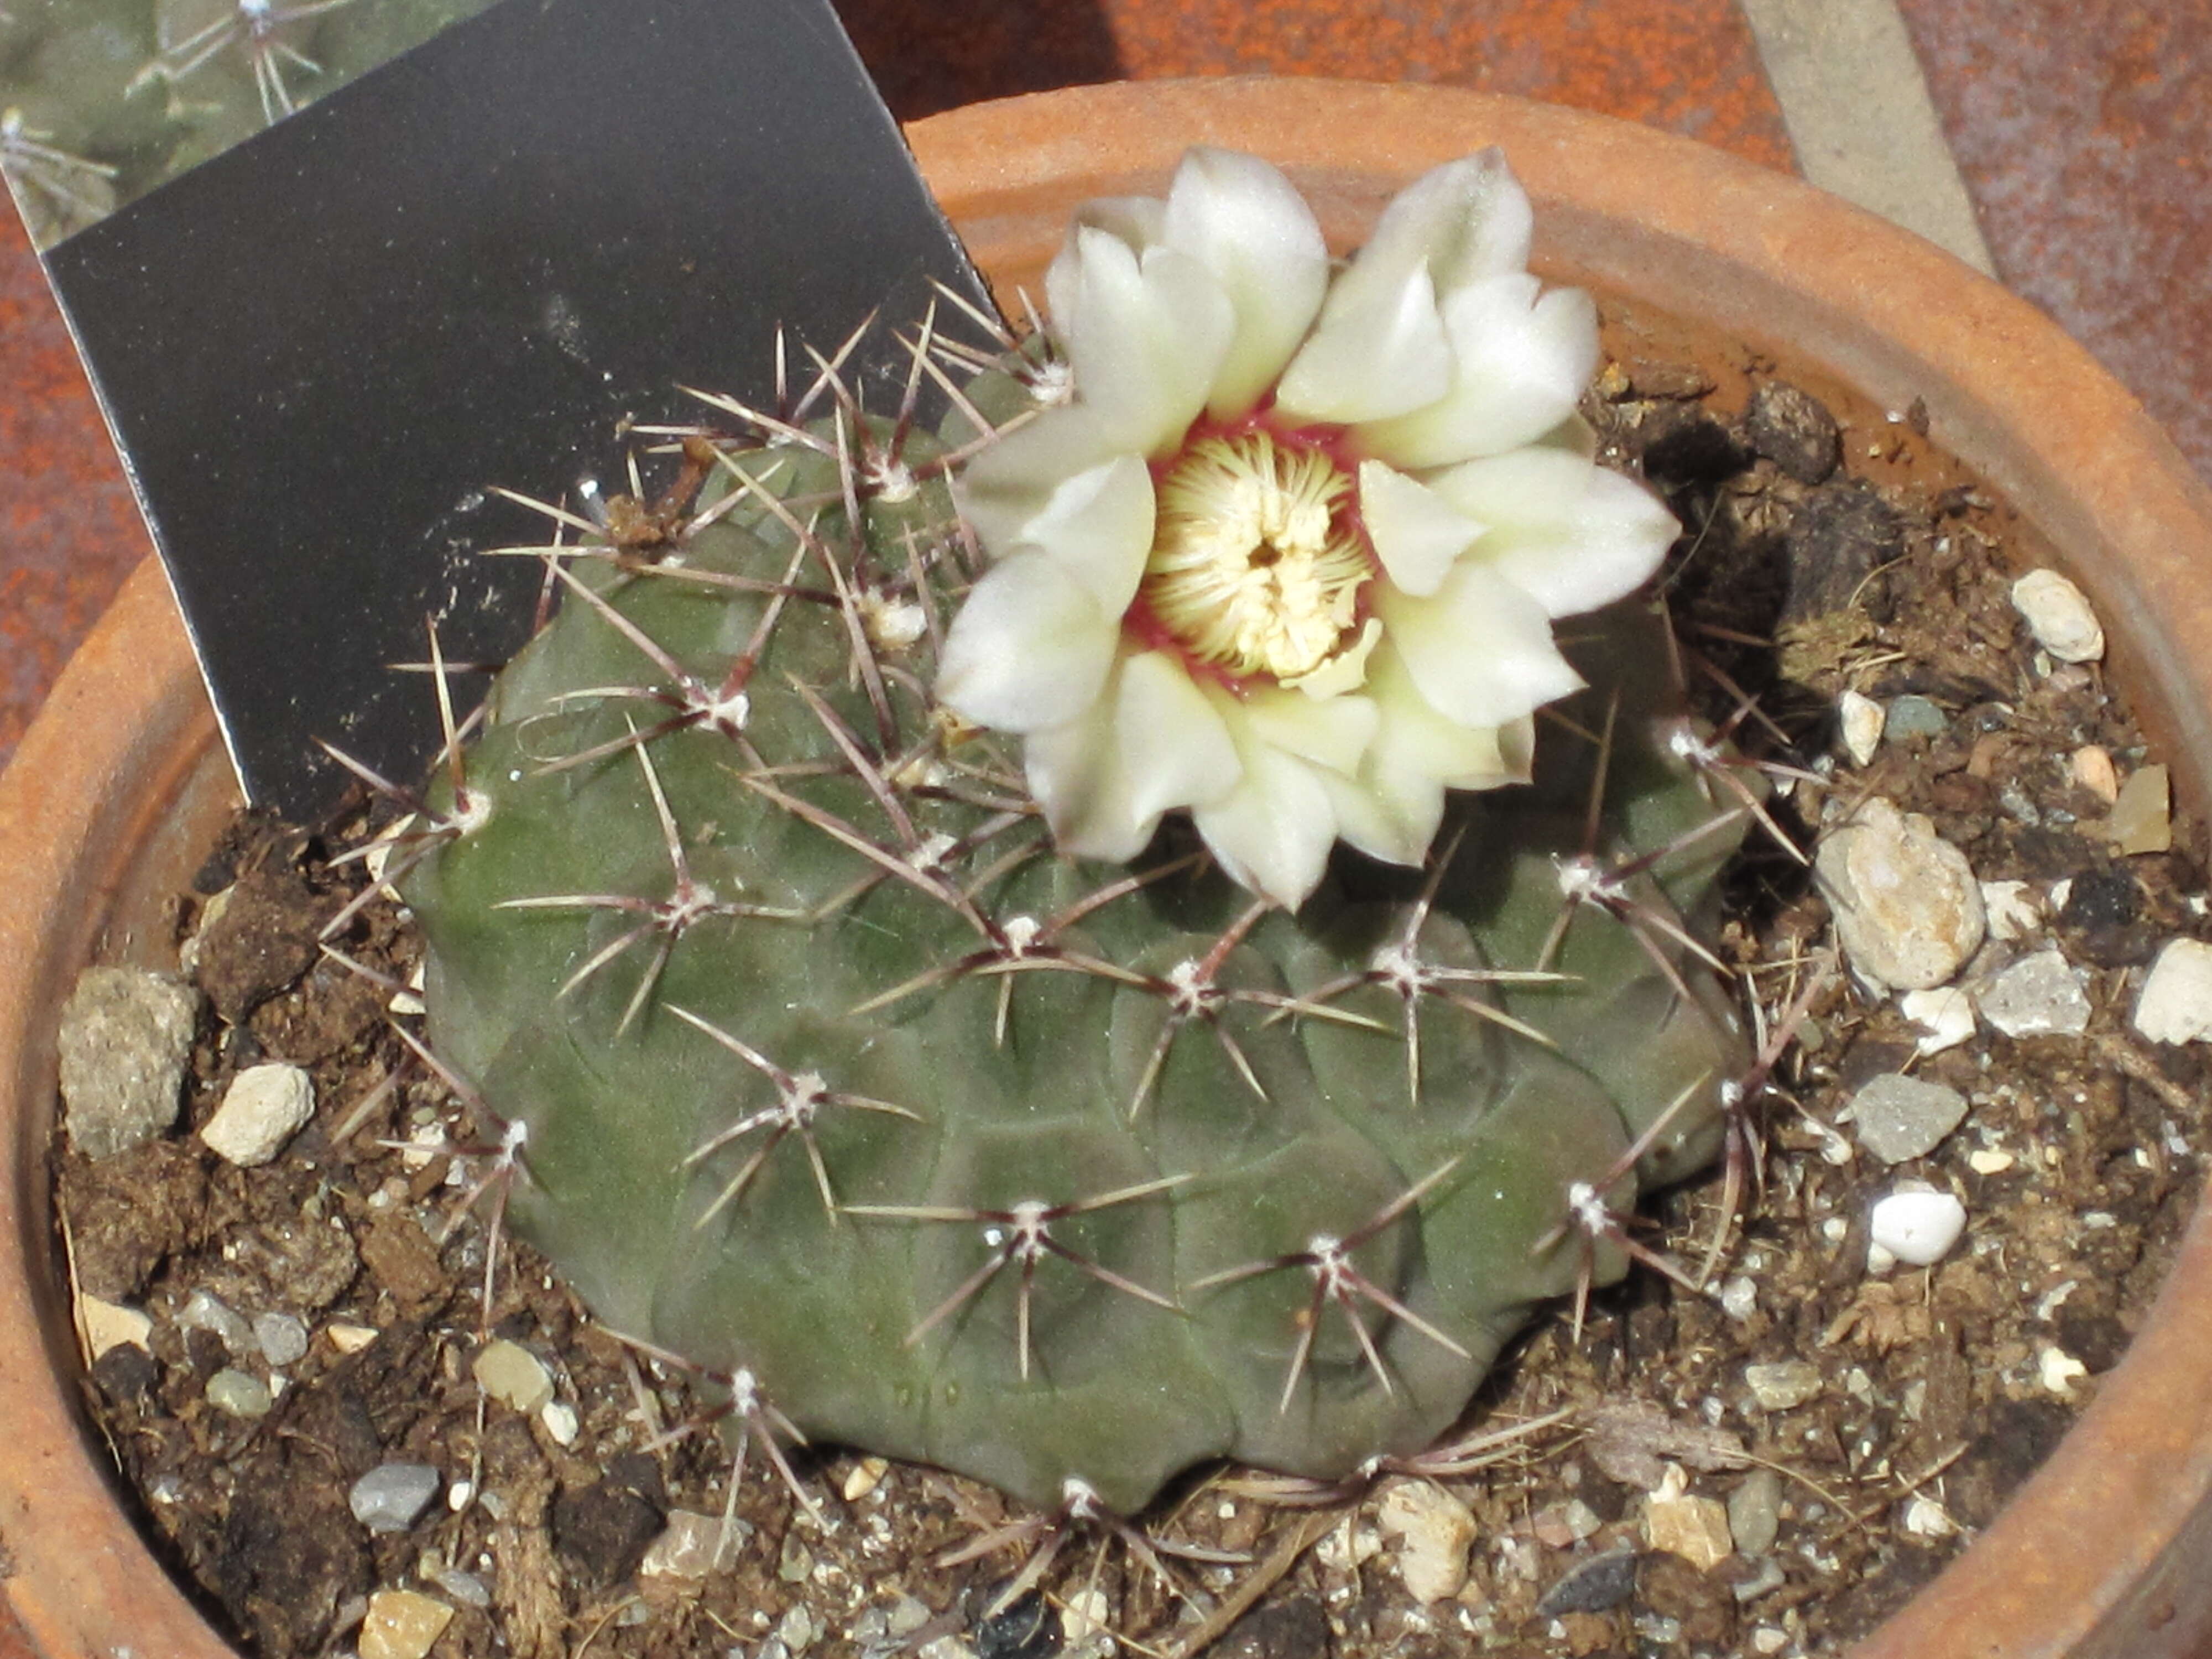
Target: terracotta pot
{"x":2108,"y":1552}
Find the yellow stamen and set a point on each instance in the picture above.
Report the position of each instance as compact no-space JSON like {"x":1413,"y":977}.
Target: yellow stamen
{"x":1254,"y":569}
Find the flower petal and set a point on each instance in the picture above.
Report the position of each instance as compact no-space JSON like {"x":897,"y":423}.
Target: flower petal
{"x":1075,"y":775}
{"x":1175,"y":749}
{"x":1481,"y":650}
{"x":1097,"y":527}
{"x":1272,"y":832}
{"x":1567,"y":532}
{"x":1139,"y":221}
{"x":1007,"y":485}
{"x":1246,"y":224}
{"x":1417,"y":532}
{"x":1466,"y":221}
{"x":1414,"y":740}
{"x":1145,"y":335}
{"x":1331,"y":732}
{"x":1522,"y":359}
{"x":1029,"y":651}
{"x":1371,"y":360}
{"x":1389,"y":814}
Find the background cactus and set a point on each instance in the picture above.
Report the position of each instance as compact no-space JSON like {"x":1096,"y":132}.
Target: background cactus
{"x":834,"y":1075}
{"x":103,"y":100}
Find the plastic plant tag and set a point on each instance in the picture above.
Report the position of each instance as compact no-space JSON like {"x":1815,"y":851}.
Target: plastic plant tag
{"x":321,"y":331}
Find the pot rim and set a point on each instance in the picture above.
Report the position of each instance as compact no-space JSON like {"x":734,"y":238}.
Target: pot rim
{"x":2094,"y":1556}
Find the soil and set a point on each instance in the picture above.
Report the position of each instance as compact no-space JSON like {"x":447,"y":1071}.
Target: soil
{"x":1672,"y":1508}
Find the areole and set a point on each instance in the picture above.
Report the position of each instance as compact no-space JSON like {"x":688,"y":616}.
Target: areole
{"x":120,"y":785}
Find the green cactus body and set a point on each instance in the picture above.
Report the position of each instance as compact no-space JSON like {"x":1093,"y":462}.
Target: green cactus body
{"x":101,"y":101}
{"x":836,"y":1074}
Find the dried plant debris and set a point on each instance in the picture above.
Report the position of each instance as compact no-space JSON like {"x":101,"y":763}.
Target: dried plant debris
{"x":362,"y":1418}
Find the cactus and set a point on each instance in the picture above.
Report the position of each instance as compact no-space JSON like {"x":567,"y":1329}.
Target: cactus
{"x":101,"y":101}
{"x":835,"y":1072}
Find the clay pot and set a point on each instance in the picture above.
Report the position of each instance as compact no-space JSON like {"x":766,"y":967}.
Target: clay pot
{"x":2108,"y":1552}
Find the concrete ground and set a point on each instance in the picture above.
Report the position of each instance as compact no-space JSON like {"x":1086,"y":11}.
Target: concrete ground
{"x":2064,"y":144}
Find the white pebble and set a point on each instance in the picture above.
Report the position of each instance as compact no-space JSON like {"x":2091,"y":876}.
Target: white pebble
{"x":1908,"y":909}
{"x":2010,"y":912}
{"x":1916,"y":1227}
{"x":1862,"y":719}
{"x":2040,"y":995}
{"x":1944,"y":1013}
{"x":264,"y":1107}
{"x":1739,"y":1297}
{"x":111,"y":1325}
{"x":2175,"y":1005}
{"x":559,"y":1418}
{"x":2058,"y":1371}
{"x":1432,"y":1530}
{"x":2059,"y":617}
{"x":1926,"y":1518}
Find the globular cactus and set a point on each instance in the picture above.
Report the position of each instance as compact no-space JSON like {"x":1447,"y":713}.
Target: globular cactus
{"x":102,"y":99}
{"x":841,"y":1078}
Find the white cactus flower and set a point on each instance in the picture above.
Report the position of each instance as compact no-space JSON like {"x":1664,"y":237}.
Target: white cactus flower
{"x":1290,"y":556}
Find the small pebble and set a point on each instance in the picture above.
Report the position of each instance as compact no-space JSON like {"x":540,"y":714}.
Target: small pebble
{"x":909,"y":1614}
{"x":1678,"y":1523}
{"x":466,"y":1588}
{"x":2039,"y":995}
{"x":283,"y":1338}
{"x":1348,"y":1545}
{"x":1783,"y":1385}
{"x":1558,"y":1526}
{"x":1754,"y":1512}
{"x":2091,"y":767}
{"x":240,"y":1394}
{"x":513,"y":1376}
{"x":350,"y":1339}
{"x":402,"y":1624}
{"x":1897,"y":1117}
{"x":1432,"y":1531}
{"x":264,"y":1107}
{"x":2059,"y":1371}
{"x":392,"y":1497}
{"x":947,"y":1647}
{"x":2142,"y":818}
{"x":863,"y":1478}
{"x":2175,"y":1004}
{"x":1859,"y":718}
{"x":1908,"y":909}
{"x":2009,"y":909}
{"x":1596,"y":1585}
{"x":1768,"y":1640}
{"x":559,"y":1418}
{"x":2059,"y":617}
{"x":1926,"y":1518}
{"x":1918,"y":1228}
{"x":204,"y":1311}
{"x":796,"y":1560}
{"x":110,"y":1325}
{"x":1087,"y":1612}
{"x":797,"y":1630}
{"x":126,"y":1036}
{"x":1767,"y":1577}
{"x":1944,"y":1013}
{"x":686,"y":1547}
{"x":1989,"y":1160}
{"x":1739,"y":1297}
{"x":1911,"y":716}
